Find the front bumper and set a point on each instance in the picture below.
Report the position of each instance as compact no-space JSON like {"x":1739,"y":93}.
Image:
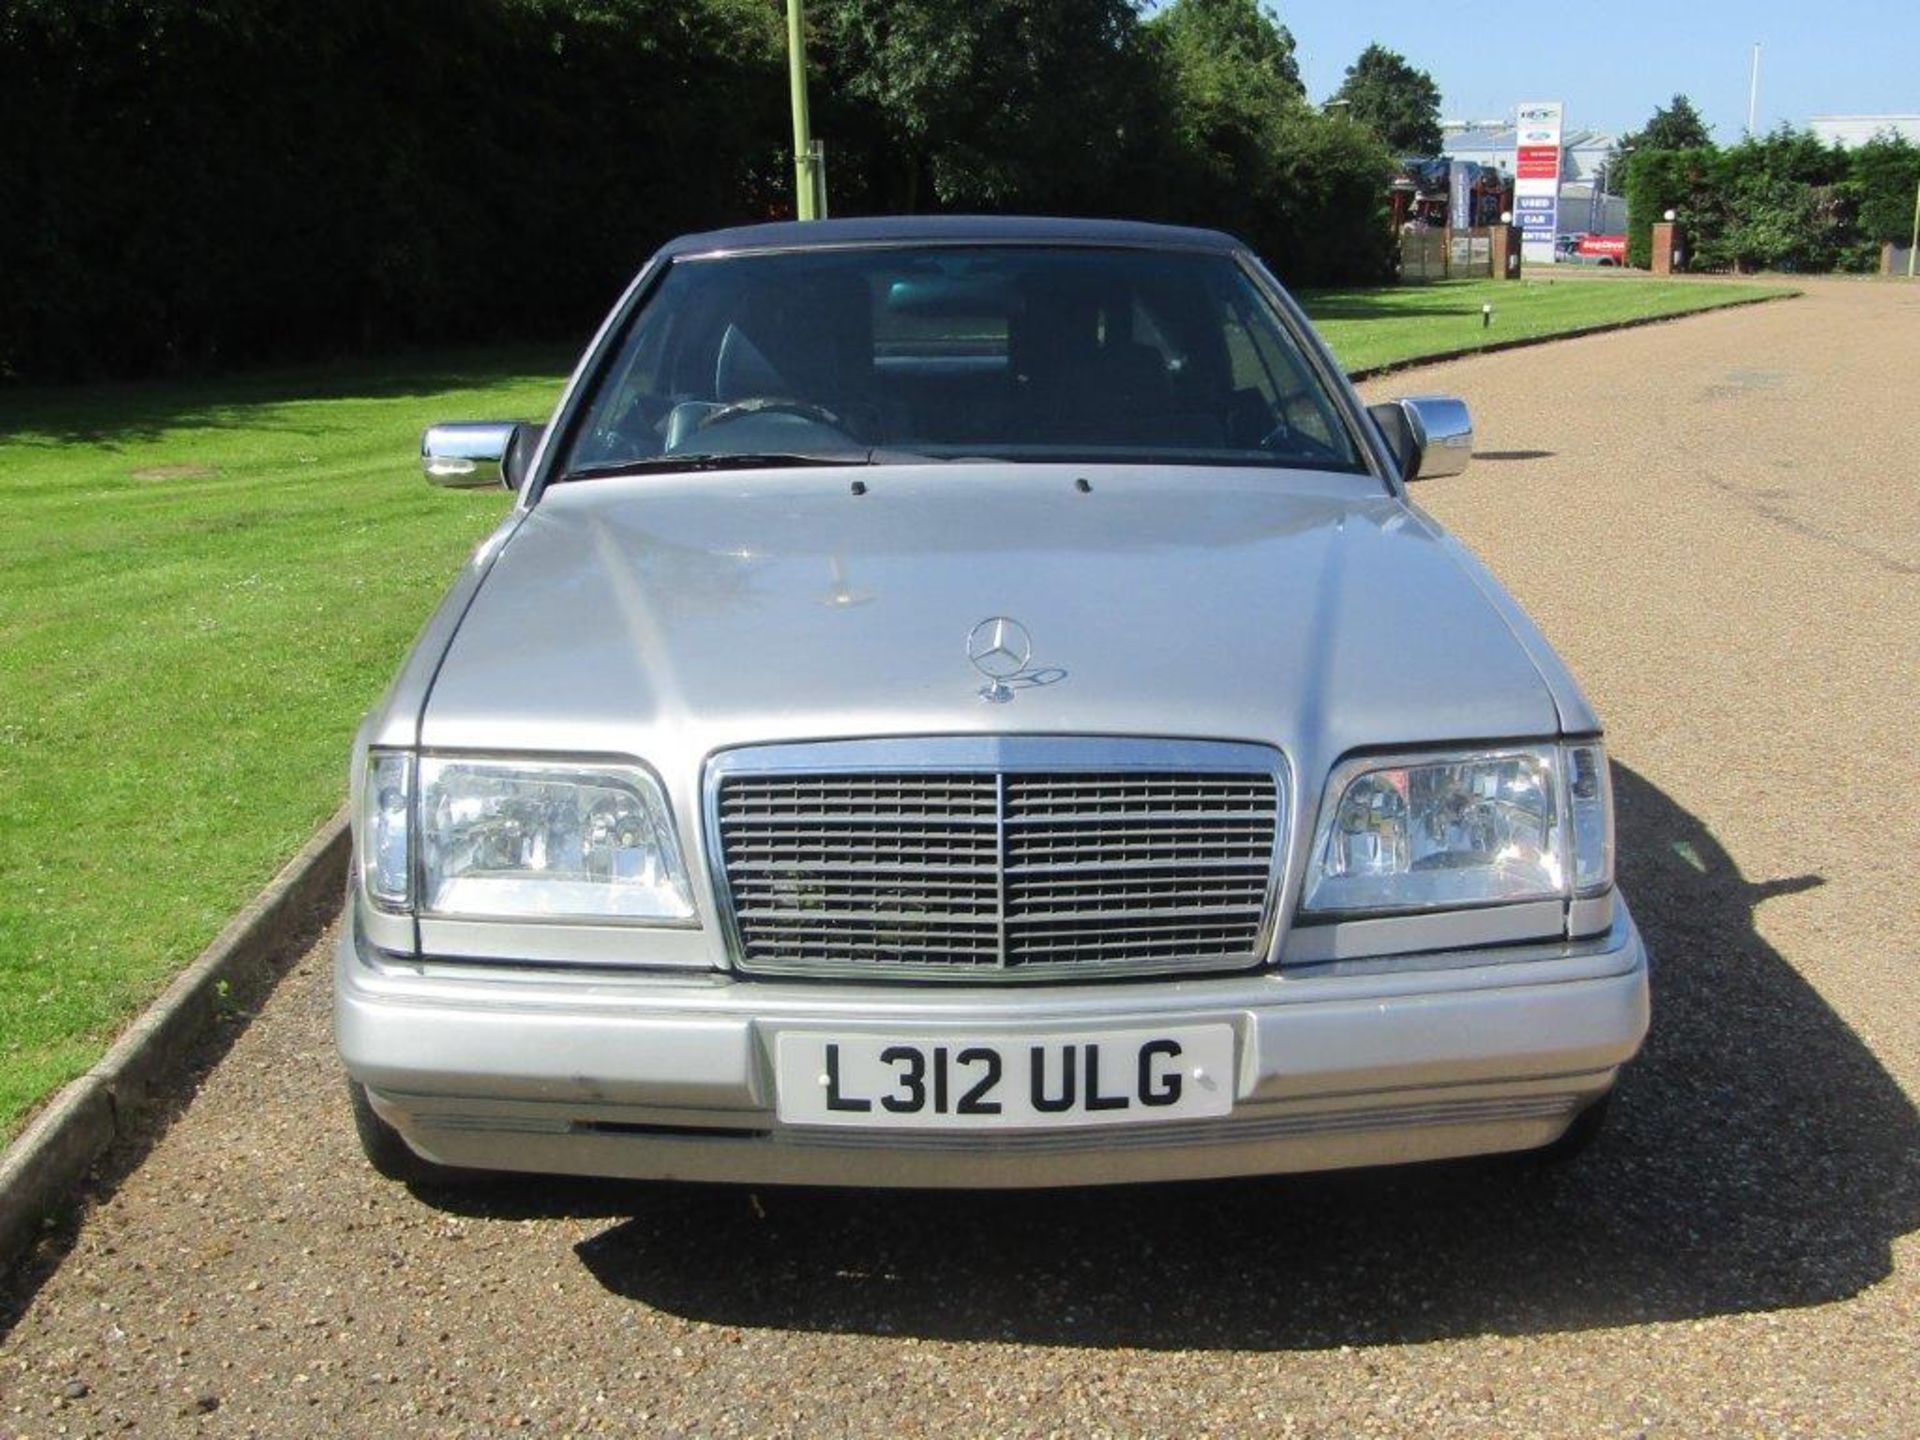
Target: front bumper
{"x":652,"y":1076}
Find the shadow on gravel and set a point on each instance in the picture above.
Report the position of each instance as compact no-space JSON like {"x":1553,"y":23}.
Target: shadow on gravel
{"x":145,"y":1122}
{"x":1759,"y":1158}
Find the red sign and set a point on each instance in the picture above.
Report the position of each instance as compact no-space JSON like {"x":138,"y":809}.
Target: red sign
{"x":1608,"y":247}
{"x":1538,"y":162}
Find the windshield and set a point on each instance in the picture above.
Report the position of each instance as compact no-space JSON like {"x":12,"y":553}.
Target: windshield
{"x":1013,"y":353}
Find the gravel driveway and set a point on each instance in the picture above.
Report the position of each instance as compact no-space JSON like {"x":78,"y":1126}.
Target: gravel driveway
{"x":1718,"y":521}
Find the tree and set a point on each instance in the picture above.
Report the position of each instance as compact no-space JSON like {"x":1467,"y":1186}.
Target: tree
{"x":1228,"y":86}
{"x":160,"y":159}
{"x":990,"y":105}
{"x":1219,"y":38}
{"x":1887,"y":170}
{"x":1673,"y":127}
{"x":1397,"y":102}
{"x":1245,"y":152}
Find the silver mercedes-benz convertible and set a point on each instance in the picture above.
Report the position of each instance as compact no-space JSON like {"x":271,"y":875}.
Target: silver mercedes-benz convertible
{"x":969,"y":702}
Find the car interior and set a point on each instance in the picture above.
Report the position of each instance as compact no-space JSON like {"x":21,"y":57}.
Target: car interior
{"x":1008,"y":353}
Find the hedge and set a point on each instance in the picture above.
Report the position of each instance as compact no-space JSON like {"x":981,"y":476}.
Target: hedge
{"x":193,"y":184}
{"x":199,"y":182}
{"x":1782,"y":201}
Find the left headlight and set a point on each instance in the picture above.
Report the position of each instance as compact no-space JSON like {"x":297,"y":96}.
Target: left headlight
{"x":522,"y":839}
{"x":1431,"y":832}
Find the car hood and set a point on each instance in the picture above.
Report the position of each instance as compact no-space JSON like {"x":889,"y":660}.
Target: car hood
{"x":667,"y":616}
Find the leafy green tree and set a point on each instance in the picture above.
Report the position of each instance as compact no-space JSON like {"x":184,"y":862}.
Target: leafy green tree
{"x":1397,"y":102}
{"x":1789,"y":154}
{"x":191,"y":184}
{"x":1675,"y":126}
{"x":1228,"y":91}
{"x":1233,"y":43}
{"x":990,"y":104}
{"x":1245,"y":152}
{"x":1887,"y":171}
{"x":1329,"y":190}
{"x":1196,"y":115}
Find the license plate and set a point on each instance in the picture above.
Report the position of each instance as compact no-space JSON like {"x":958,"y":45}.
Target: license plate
{"x":960,"y":1082}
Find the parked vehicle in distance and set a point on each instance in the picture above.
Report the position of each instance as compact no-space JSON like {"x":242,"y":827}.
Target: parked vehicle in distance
{"x":970,"y":702}
{"x":1588,"y":249}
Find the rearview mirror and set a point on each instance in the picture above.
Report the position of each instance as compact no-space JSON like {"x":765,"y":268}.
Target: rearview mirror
{"x":473,"y":455}
{"x":1430,"y":435}
{"x":955,"y":297}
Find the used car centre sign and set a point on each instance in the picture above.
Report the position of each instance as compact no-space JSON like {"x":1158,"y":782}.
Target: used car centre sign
{"x":1536,"y":177}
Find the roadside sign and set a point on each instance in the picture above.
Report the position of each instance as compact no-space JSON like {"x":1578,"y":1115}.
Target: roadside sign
{"x":1539,"y":125}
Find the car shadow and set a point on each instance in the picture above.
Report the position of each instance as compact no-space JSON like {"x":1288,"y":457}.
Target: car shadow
{"x":1758,"y":1158}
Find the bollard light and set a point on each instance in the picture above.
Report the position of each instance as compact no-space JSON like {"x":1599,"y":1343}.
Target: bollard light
{"x":1486,"y":315}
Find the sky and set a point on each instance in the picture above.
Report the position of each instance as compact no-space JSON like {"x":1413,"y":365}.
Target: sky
{"x":1613,"y":61}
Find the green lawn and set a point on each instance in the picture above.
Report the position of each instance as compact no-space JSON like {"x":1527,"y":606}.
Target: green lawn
{"x":1371,"y":328}
{"x":202,"y":587}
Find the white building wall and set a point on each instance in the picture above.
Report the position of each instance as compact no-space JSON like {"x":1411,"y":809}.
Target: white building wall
{"x":1581,"y":214}
{"x":1582,"y":157}
{"x":1852,"y":130}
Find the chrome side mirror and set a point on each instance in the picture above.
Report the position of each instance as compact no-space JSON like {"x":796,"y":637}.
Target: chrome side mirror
{"x":1445,"y":432}
{"x":1431,"y":435}
{"x":467,"y":456}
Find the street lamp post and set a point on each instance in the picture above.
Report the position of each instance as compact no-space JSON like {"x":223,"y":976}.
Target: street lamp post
{"x":806,"y":158}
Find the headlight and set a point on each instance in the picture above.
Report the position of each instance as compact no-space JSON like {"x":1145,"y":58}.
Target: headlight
{"x":1430,"y":832}
{"x":505,"y":839}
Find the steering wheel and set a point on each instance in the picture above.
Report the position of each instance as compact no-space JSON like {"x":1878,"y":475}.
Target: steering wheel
{"x":1300,"y":443}
{"x":772,"y":405}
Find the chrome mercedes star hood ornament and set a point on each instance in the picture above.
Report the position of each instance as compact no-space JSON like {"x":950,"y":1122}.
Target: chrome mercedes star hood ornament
{"x":1002,"y":650}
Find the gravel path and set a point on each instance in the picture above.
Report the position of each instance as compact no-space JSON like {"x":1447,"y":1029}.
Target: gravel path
{"x":1718,"y":522}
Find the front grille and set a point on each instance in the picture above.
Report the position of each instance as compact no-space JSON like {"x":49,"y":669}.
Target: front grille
{"x":1001,"y":872}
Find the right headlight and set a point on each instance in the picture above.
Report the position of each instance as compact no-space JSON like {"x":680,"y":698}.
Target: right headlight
{"x":1458,"y":829}
{"x":473,"y":837}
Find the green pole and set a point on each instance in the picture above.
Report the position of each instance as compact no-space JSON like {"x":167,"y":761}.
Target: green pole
{"x":804,"y":192}
{"x":1914,"y":247}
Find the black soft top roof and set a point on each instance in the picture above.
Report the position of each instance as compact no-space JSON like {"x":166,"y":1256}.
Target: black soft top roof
{"x":959,"y":229}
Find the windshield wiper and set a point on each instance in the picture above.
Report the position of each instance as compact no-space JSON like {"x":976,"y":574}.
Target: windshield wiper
{"x":731,"y":460}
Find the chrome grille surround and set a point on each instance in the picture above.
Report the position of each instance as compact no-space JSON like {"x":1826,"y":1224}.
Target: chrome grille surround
{"x":987,"y":859}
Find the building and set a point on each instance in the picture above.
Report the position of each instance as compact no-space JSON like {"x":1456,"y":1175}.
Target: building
{"x":1585,"y":210}
{"x":1583,"y":153}
{"x":1586,"y":207}
{"x":1851,"y":130}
